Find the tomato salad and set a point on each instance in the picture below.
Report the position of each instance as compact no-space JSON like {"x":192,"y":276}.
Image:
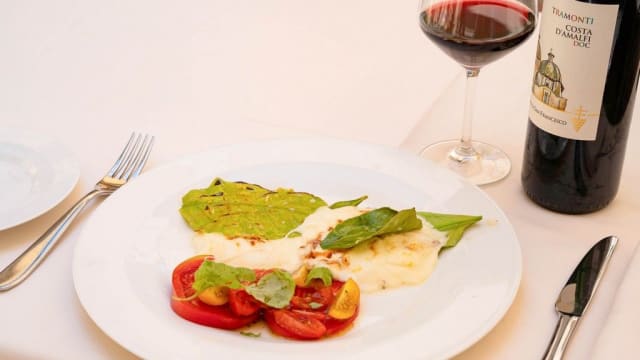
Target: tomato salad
{"x":308,"y":306}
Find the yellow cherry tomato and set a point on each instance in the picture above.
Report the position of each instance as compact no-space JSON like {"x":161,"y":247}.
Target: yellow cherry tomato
{"x":300,"y":276}
{"x":346,"y":301}
{"x":217,"y":295}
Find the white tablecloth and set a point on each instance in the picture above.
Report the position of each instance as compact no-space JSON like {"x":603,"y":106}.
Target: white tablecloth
{"x":205,"y":73}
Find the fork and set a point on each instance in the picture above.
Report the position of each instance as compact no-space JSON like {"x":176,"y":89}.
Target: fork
{"x":128,"y":165}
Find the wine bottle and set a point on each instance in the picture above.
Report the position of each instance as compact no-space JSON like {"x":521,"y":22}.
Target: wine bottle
{"x":582,"y":96}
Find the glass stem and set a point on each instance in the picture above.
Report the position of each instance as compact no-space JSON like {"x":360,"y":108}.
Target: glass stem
{"x":465,"y":151}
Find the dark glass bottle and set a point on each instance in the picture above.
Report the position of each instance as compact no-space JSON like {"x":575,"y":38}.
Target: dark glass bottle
{"x":581,"y":176}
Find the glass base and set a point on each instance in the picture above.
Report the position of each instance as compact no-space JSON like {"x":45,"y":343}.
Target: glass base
{"x":481,"y":164}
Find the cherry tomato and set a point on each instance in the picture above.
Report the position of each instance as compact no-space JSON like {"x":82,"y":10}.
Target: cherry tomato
{"x":275,"y":328}
{"x":242,"y":303}
{"x":182,"y":276}
{"x":305,"y":319}
{"x":195,"y":310}
{"x":312,"y":298}
{"x":316,"y":297}
{"x":336,"y":285}
{"x":335,"y":326}
{"x":346,"y":302}
{"x":294,"y":325}
{"x":318,"y":315}
{"x":216,"y":316}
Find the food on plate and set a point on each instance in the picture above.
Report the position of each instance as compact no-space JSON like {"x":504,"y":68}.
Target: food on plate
{"x":250,"y":226}
{"x":299,"y":239}
{"x":320,"y":308}
{"x":346,"y":302}
{"x":238,"y":209}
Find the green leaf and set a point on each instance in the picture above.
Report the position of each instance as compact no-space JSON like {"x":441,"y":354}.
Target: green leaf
{"x":250,"y":334}
{"x":314,"y":305}
{"x":212,"y":274}
{"x":354,"y":202}
{"x":238,"y":209}
{"x":274,"y":289}
{"x":378,"y":222}
{"x":453,"y":225}
{"x":294,"y":234}
{"x":321,"y":273}
{"x":444,"y":222}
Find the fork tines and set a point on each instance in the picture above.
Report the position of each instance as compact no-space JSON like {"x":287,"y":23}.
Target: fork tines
{"x":133,"y":157}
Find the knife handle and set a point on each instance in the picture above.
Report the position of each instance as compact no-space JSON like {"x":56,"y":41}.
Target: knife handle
{"x":564,"y":329}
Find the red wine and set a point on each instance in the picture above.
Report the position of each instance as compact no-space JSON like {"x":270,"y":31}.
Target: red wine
{"x":562,"y":171}
{"x":477,"y":32}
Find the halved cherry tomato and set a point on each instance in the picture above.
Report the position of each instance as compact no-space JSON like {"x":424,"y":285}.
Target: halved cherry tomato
{"x":335,"y":326}
{"x":336,"y":285}
{"x":195,"y":310}
{"x":300,"y":276}
{"x":182,"y":276}
{"x":216,"y":295}
{"x":318,"y":315}
{"x":303,"y":320}
{"x":346,"y":301}
{"x":242,"y":303}
{"x":275,"y":328}
{"x":216,"y":316}
{"x":294,"y":325}
{"x":312,"y":298}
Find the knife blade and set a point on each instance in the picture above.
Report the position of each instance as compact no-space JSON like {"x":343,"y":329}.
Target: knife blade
{"x":577,"y":293}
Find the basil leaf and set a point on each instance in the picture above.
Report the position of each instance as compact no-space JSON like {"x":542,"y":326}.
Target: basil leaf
{"x":454,"y":225}
{"x":213,"y":274}
{"x":250,"y":334}
{"x":314,"y":305}
{"x":274,"y":289}
{"x":238,"y":209}
{"x":321,"y":273}
{"x":378,"y":222}
{"x":354,"y":202}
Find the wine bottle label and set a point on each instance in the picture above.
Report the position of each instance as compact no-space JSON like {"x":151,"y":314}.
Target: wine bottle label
{"x":568,"y":83}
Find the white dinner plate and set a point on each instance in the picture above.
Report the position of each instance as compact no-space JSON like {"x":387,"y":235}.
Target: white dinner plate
{"x":36,"y":173}
{"x":125,"y":255}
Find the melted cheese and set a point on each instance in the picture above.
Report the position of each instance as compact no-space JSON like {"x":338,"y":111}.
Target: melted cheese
{"x":284,"y":254}
{"x":387,"y":262}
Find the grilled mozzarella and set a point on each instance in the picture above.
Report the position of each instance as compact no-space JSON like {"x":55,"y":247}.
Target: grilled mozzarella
{"x":386,"y":262}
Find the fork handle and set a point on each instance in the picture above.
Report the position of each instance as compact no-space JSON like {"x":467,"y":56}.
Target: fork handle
{"x":24,"y":264}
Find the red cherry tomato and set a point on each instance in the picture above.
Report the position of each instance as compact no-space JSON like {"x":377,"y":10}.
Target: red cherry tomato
{"x":318,"y":315}
{"x":335,"y":326}
{"x":243,"y":304}
{"x":312,"y":298}
{"x":195,"y":310}
{"x":294,"y":325}
{"x":215,"y":316}
{"x":305,"y":319}
{"x":316,"y":297}
{"x":182,"y":276}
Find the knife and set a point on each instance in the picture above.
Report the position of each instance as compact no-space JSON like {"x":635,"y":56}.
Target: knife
{"x":576,"y":294}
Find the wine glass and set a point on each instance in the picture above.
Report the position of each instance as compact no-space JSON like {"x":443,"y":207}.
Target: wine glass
{"x":475,"y":33}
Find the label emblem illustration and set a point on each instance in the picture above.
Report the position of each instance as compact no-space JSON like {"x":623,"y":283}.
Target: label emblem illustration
{"x":547,"y":84}
{"x":548,"y":88}
{"x":571,"y":65}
